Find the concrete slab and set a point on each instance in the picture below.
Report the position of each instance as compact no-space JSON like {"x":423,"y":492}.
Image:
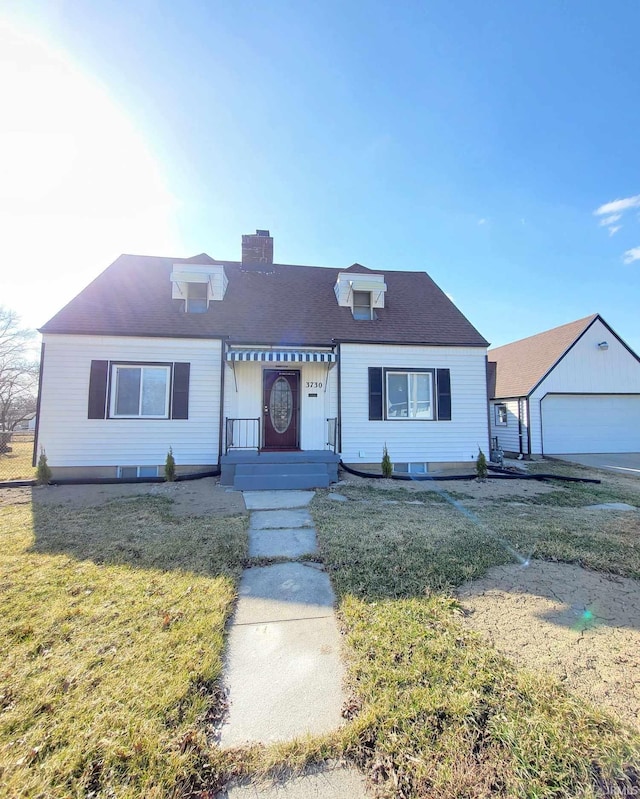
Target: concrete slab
{"x":282,"y":543}
{"x":318,"y":782}
{"x":611,"y":506}
{"x":270,"y":500}
{"x":284,"y":680}
{"x":338,"y":497}
{"x":282,"y":592}
{"x":621,"y":462}
{"x":283,"y":519}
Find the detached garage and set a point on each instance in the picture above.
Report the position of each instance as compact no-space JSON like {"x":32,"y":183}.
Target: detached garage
{"x":573,"y":389}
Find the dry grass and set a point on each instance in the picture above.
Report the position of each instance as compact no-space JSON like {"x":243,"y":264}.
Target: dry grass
{"x":16,"y":465}
{"x":437,"y":712}
{"x":111,"y":639}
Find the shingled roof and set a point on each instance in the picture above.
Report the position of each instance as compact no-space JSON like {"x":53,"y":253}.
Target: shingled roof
{"x":280,"y":304}
{"x":517,"y":368}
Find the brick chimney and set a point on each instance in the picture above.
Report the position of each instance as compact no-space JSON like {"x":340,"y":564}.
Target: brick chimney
{"x":257,"y":248}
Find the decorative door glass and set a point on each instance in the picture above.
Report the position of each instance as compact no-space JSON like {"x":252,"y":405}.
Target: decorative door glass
{"x":281,"y":405}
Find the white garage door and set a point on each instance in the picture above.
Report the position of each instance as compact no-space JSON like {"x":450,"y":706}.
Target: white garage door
{"x":591,"y":423}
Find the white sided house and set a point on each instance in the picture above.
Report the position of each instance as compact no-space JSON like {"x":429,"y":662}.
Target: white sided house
{"x":271,"y":372}
{"x":573,"y":389}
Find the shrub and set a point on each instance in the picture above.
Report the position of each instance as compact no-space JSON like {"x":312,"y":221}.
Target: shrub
{"x":387,"y":466}
{"x":170,"y":467}
{"x":481,"y":465}
{"x":43,"y":472}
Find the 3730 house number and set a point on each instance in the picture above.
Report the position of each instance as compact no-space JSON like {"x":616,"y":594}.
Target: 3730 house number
{"x":313,"y":384}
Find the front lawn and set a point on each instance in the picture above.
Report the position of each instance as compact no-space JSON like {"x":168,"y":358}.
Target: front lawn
{"x":111,"y":638}
{"x":438,"y":712}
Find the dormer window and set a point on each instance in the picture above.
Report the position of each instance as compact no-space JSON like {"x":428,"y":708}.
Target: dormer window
{"x":362,"y":305}
{"x":361,"y":292}
{"x":198,"y":285}
{"x":197,"y":299}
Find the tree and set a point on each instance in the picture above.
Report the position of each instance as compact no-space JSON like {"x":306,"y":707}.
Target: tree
{"x":18,"y":372}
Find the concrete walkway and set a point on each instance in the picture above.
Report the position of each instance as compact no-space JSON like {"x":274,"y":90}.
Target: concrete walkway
{"x":283,"y":669}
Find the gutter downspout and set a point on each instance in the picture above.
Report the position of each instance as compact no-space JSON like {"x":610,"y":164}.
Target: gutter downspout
{"x":34,"y":457}
{"x":520,"y":402}
{"x":529,"y":427}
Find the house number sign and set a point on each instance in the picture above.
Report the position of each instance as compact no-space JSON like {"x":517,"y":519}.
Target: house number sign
{"x":313,"y":384}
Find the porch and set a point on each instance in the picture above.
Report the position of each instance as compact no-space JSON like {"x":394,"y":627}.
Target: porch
{"x":259,"y":471}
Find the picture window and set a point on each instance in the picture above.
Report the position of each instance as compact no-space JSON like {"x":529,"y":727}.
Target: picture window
{"x":409,"y":395}
{"x":140,"y":391}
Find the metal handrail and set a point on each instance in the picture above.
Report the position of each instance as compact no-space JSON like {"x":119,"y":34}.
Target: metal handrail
{"x":242,"y":434}
{"x":332,"y":433}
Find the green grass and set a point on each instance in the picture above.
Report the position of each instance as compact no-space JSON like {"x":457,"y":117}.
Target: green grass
{"x":16,"y":465}
{"x":111,"y":638}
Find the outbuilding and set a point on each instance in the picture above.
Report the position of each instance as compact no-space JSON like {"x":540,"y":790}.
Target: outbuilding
{"x":572,"y":389}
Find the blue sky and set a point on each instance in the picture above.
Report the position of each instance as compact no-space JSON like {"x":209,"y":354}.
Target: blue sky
{"x":476,"y":141}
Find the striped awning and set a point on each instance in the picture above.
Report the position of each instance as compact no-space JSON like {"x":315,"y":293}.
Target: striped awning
{"x":282,"y":356}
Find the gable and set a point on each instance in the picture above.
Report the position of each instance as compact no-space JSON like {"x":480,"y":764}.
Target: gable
{"x":521,"y":365}
{"x":590,"y":368}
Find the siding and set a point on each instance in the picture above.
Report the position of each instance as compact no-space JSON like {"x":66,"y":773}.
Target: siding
{"x":431,"y":441}
{"x":587,"y":370}
{"x":509,"y":435}
{"x":245,"y":402}
{"x":70,"y":439}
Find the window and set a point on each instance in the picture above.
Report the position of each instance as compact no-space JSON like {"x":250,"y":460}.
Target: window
{"x":362,"y":305}
{"x":414,"y":467}
{"x":409,"y":395}
{"x":140,"y":391}
{"x":197,"y":298}
{"x":501,"y":413}
{"x":129,"y":472}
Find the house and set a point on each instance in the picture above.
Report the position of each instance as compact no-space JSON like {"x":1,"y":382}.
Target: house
{"x":249,"y":363}
{"x":572,"y":389}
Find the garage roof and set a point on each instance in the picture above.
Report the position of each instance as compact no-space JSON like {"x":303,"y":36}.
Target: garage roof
{"x":517,"y":368}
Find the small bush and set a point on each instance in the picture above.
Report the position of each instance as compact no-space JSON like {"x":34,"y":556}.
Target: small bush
{"x":481,"y":465}
{"x":387,"y":466}
{"x":170,"y":467}
{"x":43,"y":472}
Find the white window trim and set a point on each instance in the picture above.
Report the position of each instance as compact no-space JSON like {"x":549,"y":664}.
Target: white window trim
{"x":370,"y":306}
{"x":142,"y":367}
{"x":496,"y":414}
{"x":137,"y":468}
{"x":408,"y":372}
{"x":189,"y":299}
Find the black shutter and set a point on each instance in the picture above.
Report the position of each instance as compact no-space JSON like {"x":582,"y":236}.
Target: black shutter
{"x":443,"y":381}
{"x":180,"y":399}
{"x":375,"y":393}
{"x":98,"y":389}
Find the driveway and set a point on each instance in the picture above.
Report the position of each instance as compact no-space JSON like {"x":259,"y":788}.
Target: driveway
{"x":622,"y":462}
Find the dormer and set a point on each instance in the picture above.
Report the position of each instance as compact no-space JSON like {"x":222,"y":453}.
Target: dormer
{"x":361,"y":291}
{"x":198,"y":285}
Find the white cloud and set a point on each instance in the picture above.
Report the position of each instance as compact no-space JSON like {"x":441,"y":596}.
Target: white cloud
{"x":632,"y":255}
{"x":618,"y":206}
{"x":610,"y":220}
{"x":482,"y":221}
{"x":614,"y":229}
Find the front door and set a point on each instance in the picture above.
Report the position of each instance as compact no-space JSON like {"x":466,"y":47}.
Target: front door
{"x":281,"y":392}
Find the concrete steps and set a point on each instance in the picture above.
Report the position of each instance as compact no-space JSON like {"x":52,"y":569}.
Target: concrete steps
{"x":279,"y":471}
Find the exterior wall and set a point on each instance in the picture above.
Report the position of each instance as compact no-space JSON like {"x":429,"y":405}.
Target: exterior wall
{"x":245,"y":401}
{"x":587,"y":370}
{"x":72,"y":440}
{"x":456,"y":440}
{"x":509,"y":435}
